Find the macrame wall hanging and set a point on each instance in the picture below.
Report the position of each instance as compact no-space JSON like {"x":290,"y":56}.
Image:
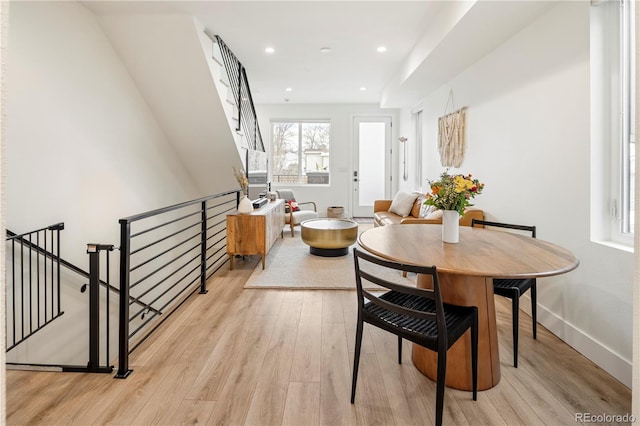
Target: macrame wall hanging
{"x":451,"y":135}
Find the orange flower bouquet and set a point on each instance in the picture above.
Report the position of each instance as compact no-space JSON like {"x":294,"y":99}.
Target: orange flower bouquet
{"x":453,"y":192}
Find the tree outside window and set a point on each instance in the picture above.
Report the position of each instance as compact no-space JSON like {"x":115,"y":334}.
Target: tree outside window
{"x":300,"y":152}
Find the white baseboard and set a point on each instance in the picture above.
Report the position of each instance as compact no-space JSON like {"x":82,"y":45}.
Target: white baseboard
{"x":602,"y":356}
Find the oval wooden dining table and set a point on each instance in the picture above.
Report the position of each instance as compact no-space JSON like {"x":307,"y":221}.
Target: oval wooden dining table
{"x":466,"y":270}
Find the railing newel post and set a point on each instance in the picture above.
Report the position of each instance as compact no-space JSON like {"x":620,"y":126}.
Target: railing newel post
{"x":13,"y":291}
{"x":31,"y":288}
{"x":93,"y":366}
{"x":58,"y":229}
{"x":203,"y":248}
{"x":107,"y":310}
{"x":94,"y":309}
{"x":123,"y":336}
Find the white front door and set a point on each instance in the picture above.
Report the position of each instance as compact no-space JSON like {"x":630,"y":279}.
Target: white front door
{"x":371,"y":174}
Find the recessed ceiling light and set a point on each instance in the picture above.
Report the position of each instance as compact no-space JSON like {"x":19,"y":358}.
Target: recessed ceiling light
{"x":362,"y":89}
{"x":325,"y":49}
{"x":288,"y":89}
{"x":269,"y":50}
{"x":381,"y":49}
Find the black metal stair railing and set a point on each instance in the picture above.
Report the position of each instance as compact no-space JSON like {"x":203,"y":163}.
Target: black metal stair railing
{"x":239,"y":83}
{"x":34,"y":294}
{"x":33,"y":281}
{"x":167,"y":255}
{"x":32,"y":245}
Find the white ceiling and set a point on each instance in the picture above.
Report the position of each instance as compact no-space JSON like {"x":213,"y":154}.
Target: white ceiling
{"x":297,"y":30}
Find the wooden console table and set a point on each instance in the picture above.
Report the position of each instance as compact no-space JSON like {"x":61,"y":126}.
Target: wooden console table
{"x":255,"y":232}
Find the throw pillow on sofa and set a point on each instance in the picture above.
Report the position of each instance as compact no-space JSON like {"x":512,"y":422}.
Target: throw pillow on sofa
{"x":417,"y":204}
{"x":402,"y":203}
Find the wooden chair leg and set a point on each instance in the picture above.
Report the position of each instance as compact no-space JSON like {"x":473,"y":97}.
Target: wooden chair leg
{"x":399,"y":350}
{"x":291,"y":221}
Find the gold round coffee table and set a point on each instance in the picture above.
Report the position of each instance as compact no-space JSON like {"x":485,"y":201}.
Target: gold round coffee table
{"x":329,"y":237}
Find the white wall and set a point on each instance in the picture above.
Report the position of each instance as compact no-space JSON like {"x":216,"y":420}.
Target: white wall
{"x":167,"y":57}
{"x":339,"y":192}
{"x":528,"y":140}
{"x":82,"y":145}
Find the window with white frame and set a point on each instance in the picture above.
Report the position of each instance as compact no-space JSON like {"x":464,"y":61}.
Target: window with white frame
{"x":620,"y":29}
{"x":613,"y":76}
{"x":300,"y":151}
{"x":627,"y":125}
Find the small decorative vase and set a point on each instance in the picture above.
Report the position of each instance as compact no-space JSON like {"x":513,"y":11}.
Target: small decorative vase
{"x":450,"y":226}
{"x":245,"y":205}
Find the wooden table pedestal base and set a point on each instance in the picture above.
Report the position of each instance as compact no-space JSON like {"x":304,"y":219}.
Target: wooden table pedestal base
{"x":466,"y":291}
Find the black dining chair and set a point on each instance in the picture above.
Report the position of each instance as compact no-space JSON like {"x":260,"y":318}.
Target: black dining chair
{"x":514,"y":288}
{"x":415,"y":314}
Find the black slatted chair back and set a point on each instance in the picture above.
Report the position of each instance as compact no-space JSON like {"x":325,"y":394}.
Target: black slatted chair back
{"x":483,"y":223}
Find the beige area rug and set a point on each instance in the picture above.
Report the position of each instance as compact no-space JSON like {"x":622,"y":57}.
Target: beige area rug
{"x":289,"y":265}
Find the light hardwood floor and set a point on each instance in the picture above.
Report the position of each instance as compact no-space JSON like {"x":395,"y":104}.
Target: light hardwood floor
{"x":273,"y":357}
